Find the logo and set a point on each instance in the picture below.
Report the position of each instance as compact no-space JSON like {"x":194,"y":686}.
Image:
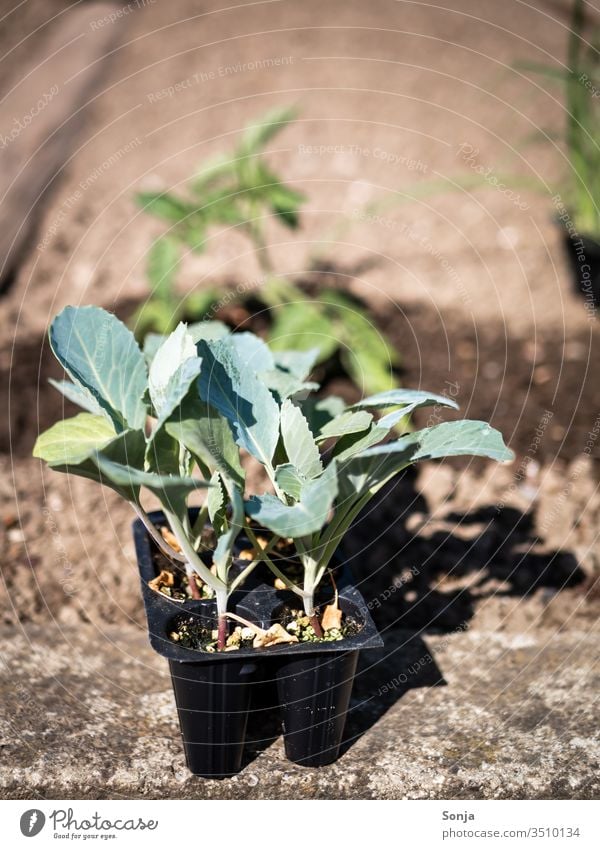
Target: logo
{"x":32,"y":822}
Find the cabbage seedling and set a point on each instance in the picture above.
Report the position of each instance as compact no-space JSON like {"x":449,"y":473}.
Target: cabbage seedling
{"x":325,"y":460}
{"x":147,"y":429}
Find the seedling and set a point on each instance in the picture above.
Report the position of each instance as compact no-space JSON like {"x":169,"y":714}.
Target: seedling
{"x":208,"y":398}
{"x":325,"y":460}
{"x":243,"y":191}
{"x":147,"y":429}
{"x":580,"y":79}
{"x":317,"y":499}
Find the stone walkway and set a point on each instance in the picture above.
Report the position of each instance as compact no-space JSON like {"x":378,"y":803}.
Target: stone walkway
{"x":467,"y":715}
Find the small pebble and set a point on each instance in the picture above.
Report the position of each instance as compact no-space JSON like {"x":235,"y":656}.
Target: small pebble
{"x":16,"y":535}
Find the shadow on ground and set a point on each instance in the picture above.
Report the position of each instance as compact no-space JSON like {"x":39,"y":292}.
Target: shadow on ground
{"x":431,"y":581}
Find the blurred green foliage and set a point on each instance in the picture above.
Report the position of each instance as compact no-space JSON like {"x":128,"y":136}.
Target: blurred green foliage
{"x":241,"y":190}
{"x":580,"y":79}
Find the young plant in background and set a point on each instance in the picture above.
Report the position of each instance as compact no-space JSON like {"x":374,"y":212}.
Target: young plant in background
{"x":242,"y":191}
{"x":580,"y":80}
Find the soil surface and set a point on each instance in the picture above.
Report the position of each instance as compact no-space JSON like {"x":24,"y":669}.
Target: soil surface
{"x":494,"y":568}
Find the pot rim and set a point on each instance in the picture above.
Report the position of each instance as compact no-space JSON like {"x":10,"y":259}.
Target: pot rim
{"x":255,"y":604}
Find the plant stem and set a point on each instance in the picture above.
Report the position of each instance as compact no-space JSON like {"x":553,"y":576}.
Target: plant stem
{"x":274,"y":569}
{"x":154,"y":533}
{"x":192,"y":555}
{"x":309,"y":609}
{"x":191,"y":575}
{"x":221,"y":619}
{"x":336,"y":530}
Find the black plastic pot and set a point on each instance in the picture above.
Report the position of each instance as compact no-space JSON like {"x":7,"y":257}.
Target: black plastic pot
{"x":213,"y":691}
{"x":583,"y":253}
{"x":314,"y":694}
{"x":212,"y":702}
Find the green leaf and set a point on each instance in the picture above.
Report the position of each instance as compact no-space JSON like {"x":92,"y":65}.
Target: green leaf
{"x":171,"y":490}
{"x":285,"y":385}
{"x":165,"y":206}
{"x":178,"y":387}
{"x":366,"y":368}
{"x":73,"y":445}
{"x":73,"y":440}
{"x":305,"y":517}
{"x":354,"y":443}
{"x":290,"y":480}
{"x":234,"y":390}
{"x":155,"y":315}
{"x":165,"y":375}
{"x":303,"y":326}
{"x":366,"y":355}
{"x":345,"y":423}
{"x":256,"y":136}
{"x":163,"y":454}
{"x":78,"y":395}
{"x":208,"y":330}
{"x":195,"y":305}
{"x":207,"y":435}
{"x":212,"y":174}
{"x":224,"y":549}
{"x":152,"y":342}
{"x":299,"y":442}
{"x":216,"y":502}
{"x":163,"y":259}
{"x":297,"y":363}
{"x":101,"y":355}
{"x":372,"y":468}
{"x":320,"y":411}
{"x":412,"y":398}
{"x":286,"y":203}
{"x":172,"y":373}
{"x":253,"y":352}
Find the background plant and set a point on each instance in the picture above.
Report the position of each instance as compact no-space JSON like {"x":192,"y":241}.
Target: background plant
{"x":580,"y":80}
{"x":243,"y":191}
